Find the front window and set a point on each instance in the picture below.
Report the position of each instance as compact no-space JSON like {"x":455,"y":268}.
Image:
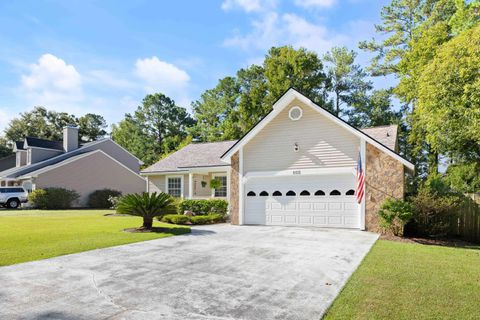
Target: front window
{"x":174,"y":187}
{"x":222,"y":191}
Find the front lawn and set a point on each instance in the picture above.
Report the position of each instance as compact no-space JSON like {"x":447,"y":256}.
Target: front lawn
{"x":412,"y":281}
{"x":28,"y":235}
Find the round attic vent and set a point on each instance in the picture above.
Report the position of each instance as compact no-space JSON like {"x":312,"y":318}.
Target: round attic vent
{"x":295,"y":113}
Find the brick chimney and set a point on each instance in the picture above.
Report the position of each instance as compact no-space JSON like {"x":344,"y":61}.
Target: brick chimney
{"x":70,"y":138}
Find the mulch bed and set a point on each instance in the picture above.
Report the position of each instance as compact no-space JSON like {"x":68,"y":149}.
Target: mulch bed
{"x":140,"y":230}
{"x":444,"y":242}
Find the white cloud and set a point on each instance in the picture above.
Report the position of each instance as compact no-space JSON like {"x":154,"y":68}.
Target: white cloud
{"x":315,"y":3}
{"x":51,"y":81}
{"x":272,"y":29}
{"x":160,"y":75}
{"x":164,"y":77}
{"x":249,"y":5}
{"x":5,"y":118}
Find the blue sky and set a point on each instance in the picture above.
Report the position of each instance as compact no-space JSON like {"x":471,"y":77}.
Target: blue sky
{"x":105,"y":56}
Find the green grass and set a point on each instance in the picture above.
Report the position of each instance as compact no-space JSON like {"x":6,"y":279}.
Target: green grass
{"x":29,"y":235}
{"x":412,"y":281}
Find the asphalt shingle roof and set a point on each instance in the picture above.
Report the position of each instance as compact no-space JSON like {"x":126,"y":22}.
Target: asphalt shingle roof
{"x":386,"y":135}
{"x":194,"y":155}
{"x":42,"y":143}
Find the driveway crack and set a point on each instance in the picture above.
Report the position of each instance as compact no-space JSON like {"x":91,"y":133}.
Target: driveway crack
{"x":106,"y":296}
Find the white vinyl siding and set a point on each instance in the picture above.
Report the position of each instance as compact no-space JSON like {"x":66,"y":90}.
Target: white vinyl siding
{"x":322,"y":143}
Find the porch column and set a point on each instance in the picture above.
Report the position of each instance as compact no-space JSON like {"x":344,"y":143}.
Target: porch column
{"x":190,"y":185}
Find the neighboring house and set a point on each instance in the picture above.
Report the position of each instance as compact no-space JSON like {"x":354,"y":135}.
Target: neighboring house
{"x":66,"y":164}
{"x":7,"y":162}
{"x":297,"y":166}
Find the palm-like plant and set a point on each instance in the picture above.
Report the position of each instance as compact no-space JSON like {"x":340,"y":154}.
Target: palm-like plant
{"x":146,"y":205}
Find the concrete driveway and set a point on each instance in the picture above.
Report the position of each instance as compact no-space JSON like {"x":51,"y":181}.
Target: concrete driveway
{"x":217,"y":272}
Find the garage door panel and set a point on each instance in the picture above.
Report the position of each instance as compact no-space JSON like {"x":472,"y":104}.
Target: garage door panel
{"x":323,"y":209}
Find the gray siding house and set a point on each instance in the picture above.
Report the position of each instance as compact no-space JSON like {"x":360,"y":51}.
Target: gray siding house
{"x":66,"y":164}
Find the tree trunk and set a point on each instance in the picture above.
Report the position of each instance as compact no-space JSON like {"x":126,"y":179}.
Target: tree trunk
{"x":147,"y":223}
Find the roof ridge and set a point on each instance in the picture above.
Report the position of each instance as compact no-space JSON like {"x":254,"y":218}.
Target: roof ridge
{"x":207,"y":142}
{"x":381,"y":126}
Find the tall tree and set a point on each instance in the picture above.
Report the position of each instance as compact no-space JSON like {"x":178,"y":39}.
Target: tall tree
{"x":399,"y":21}
{"x":449,"y":98}
{"x":374,"y":110}
{"x":236,"y":104}
{"x":347,"y":80}
{"x":155,"y":128}
{"x":286,"y":67}
{"x":49,"y":124}
{"x":215,"y":112}
{"x":91,"y":127}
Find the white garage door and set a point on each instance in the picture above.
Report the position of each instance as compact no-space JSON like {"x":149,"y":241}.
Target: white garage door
{"x":323,"y":201}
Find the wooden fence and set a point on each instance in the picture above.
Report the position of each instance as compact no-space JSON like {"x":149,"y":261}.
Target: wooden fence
{"x":467,"y":223}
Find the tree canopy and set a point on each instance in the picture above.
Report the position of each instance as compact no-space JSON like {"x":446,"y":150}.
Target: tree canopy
{"x":157,"y":127}
{"x":48,"y":124}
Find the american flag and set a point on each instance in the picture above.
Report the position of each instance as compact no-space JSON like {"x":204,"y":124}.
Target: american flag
{"x":360,"y":189}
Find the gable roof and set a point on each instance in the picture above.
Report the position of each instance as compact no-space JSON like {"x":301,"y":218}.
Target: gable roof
{"x":386,"y":135}
{"x":289,"y":96}
{"x":16,"y":172}
{"x":42,"y":143}
{"x":193,"y":155}
{"x":18,"y":145}
{"x":70,"y":160}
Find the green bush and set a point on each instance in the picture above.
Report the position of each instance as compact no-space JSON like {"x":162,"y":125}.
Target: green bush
{"x":203,"y":207}
{"x":99,"y":199}
{"x":183,"y":219}
{"x":394,"y":214}
{"x":53,"y":198}
{"x":434,"y":212}
{"x":176,"y":219}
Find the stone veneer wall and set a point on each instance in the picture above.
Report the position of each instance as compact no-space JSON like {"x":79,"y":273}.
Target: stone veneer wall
{"x":384,"y":178}
{"x":234,"y":189}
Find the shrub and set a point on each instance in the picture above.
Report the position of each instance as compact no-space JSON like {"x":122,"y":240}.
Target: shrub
{"x":204,"y":206}
{"x":146,"y":205}
{"x":99,"y":199}
{"x":176,"y":219}
{"x":433,"y":212}
{"x":207,"y":219}
{"x":394,"y":214}
{"x":183,"y":219}
{"x":53,"y":198}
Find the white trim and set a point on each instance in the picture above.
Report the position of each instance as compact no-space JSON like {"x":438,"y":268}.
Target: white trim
{"x":162,"y":173}
{"x":295,"y":108}
{"x":229,"y":175}
{"x":300,"y":172}
{"x":205,"y":168}
{"x":220,"y":174}
{"x":363,"y":150}
{"x":47,"y":149}
{"x":241,"y":187}
{"x":190,"y":185}
{"x":73,"y":159}
{"x":148,"y":185}
{"x":181,"y":183}
{"x":283,"y":102}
